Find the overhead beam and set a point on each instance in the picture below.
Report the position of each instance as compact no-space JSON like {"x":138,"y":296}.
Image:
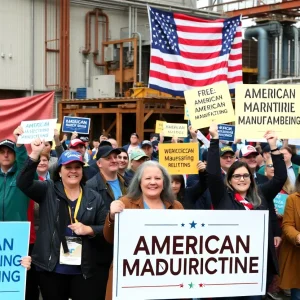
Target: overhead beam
{"x":264,"y":9}
{"x":147,"y":116}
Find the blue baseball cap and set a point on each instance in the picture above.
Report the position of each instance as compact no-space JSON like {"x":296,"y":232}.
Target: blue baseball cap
{"x":69,"y":156}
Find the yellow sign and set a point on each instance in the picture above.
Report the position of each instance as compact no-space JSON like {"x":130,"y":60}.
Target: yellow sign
{"x":175,"y":130}
{"x":159,"y":126}
{"x":186,"y":113}
{"x":179,"y":158}
{"x":262,"y":107}
{"x":210,"y":103}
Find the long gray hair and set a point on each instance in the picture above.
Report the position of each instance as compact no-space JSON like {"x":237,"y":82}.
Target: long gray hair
{"x":134,"y":190}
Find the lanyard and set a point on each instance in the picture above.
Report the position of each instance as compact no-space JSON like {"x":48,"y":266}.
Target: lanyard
{"x":76,"y":207}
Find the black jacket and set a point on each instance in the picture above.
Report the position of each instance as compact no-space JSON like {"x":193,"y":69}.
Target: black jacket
{"x":223,"y":198}
{"x":53,"y":204}
{"x":98,"y":184}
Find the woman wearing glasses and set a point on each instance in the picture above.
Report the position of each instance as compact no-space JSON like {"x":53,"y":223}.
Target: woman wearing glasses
{"x":239,"y":191}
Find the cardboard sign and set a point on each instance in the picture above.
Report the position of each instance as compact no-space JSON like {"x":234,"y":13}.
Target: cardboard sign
{"x":279,"y":202}
{"x":175,"y":130}
{"x":80,"y":125}
{"x":203,"y":139}
{"x":226,"y":132}
{"x":14,"y":244}
{"x":43,"y":129}
{"x":262,"y":107}
{"x":159,"y":126}
{"x":179,"y":158}
{"x":210,"y":103}
{"x":183,"y":254}
{"x":186,"y":113}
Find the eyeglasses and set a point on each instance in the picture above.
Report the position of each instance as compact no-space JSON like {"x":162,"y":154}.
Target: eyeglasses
{"x":227,"y":157}
{"x":270,"y":166}
{"x":239,"y":176}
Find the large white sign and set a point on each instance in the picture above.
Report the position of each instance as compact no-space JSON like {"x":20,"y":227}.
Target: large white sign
{"x":165,"y":254}
{"x":43,"y":129}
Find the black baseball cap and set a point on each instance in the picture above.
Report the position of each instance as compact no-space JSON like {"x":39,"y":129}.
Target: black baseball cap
{"x":105,"y":151}
{"x":8,"y":143}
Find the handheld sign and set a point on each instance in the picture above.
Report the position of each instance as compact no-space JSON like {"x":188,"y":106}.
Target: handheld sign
{"x":186,"y":113}
{"x":80,"y":125}
{"x":279,"y":202}
{"x":295,"y":142}
{"x":14,"y":241}
{"x":262,"y":107}
{"x":159,"y":126}
{"x":179,"y":158}
{"x":226,"y":132}
{"x":210,"y":103}
{"x":43,"y":129}
{"x":203,"y":139}
{"x":175,"y":129}
{"x":189,"y":254}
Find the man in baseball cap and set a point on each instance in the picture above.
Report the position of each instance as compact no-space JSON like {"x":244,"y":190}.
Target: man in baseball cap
{"x":227,"y":158}
{"x":147,"y":147}
{"x":12,"y":159}
{"x":136,"y":158}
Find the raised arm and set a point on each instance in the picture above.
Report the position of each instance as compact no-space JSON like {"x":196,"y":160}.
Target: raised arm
{"x":214,"y":175}
{"x":34,"y":189}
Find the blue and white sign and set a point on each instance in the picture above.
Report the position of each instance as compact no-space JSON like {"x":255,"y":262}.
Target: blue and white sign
{"x":14,"y":243}
{"x":80,"y":125}
{"x":226,"y":132}
{"x":279,"y":202}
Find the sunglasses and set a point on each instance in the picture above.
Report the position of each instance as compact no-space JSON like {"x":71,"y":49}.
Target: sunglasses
{"x":270,"y":166}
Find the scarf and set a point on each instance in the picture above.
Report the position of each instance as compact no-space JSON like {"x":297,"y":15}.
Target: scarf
{"x":247,"y":205}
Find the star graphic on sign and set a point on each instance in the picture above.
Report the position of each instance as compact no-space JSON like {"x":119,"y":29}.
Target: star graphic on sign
{"x":202,"y":224}
{"x":191,"y":285}
{"x":193,"y":224}
{"x":182,"y":224}
{"x":201,"y":285}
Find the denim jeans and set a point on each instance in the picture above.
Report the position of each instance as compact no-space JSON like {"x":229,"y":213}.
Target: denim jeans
{"x":295,"y":294}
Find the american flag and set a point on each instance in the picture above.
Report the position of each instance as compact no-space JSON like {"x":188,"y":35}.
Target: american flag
{"x":188,"y":52}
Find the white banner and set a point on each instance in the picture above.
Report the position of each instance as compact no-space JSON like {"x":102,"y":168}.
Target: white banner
{"x":43,"y":129}
{"x":165,"y":254}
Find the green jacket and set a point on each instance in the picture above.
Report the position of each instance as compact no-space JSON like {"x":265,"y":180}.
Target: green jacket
{"x":13,"y":202}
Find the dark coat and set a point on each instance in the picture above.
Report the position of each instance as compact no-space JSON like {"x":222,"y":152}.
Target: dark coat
{"x":53,"y":204}
{"x":223,"y":198}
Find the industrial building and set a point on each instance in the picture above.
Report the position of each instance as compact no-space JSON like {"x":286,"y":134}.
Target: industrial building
{"x":95,"y":54}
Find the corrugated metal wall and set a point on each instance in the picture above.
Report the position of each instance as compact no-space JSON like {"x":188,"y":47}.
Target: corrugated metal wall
{"x":16,"y":41}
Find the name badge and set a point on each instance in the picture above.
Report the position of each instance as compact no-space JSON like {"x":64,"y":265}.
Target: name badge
{"x":73,"y":257}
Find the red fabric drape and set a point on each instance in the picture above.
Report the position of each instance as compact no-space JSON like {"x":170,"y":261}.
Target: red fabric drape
{"x":14,"y":111}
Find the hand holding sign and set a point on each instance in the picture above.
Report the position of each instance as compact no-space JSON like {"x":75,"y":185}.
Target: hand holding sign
{"x":213,"y":130}
{"x":201,"y":166}
{"x":37,"y":146}
{"x":116,"y":206}
{"x":193,"y":132}
{"x":26,"y":262}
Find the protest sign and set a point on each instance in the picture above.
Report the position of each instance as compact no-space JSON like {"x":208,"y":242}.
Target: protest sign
{"x":226,"y":132}
{"x":159,"y":126}
{"x":175,"y":129}
{"x":179,"y":158}
{"x":189,"y":254}
{"x":203,"y":139}
{"x":210,"y":103}
{"x":43,"y":129}
{"x":279,"y":202}
{"x":186,"y":113}
{"x":295,"y":142}
{"x":14,"y":241}
{"x":262,"y":107}
{"x":80,"y":125}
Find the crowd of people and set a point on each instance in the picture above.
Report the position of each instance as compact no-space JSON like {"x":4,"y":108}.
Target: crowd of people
{"x":71,"y":193}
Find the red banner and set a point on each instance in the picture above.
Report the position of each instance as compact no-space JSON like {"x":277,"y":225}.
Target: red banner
{"x":14,"y":111}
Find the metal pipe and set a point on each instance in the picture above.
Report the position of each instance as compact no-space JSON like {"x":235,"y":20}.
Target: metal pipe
{"x":143,"y":4}
{"x":285,"y":54}
{"x":263,"y":51}
{"x":129,"y":22}
{"x":276,"y":57}
{"x":140,"y":55}
{"x":87,"y":48}
{"x":280,"y":45}
{"x":135,"y":19}
{"x":87,"y":73}
{"x":296,"y":47}
{"x":32,"y":49}
{"x":289,"y":58}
